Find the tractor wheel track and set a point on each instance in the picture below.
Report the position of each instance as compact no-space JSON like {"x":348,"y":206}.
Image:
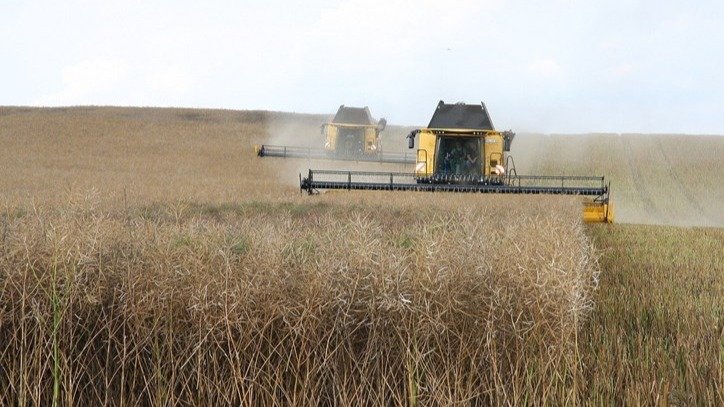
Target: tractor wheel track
{"x":642,"y":191}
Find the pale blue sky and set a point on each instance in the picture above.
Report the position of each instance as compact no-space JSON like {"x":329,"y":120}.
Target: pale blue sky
{"x":549,"y":66}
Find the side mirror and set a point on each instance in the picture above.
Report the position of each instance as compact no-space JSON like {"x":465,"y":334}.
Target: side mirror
{"x":411,"y":139}
{"x":508,"y":137}
{"x":381,"y":125}
{"x":322,"y":128}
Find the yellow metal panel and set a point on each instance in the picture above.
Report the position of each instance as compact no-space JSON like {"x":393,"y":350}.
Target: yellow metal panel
{"x":493,"y":143}
{"x":595,"y":212}
{"x":426,"y":153}
{"x":331,"y":132}
{"x":370,"y":140}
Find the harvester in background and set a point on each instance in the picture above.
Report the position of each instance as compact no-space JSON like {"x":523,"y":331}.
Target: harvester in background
{"x":352,"y":135}
{"x":460,"y":151}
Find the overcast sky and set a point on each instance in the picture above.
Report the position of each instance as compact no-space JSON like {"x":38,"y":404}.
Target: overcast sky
{"x":549,"y":66}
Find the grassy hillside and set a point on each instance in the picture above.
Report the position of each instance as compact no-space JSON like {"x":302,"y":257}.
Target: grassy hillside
{"x":137,"y":154}
{"x":656,"y":179}
{"x":160,"y":154}
{"x":147,"y":256}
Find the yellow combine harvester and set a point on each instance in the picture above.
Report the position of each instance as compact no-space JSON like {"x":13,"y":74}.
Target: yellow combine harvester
{"x":353,"y":132}
{"x":352,"y":135}
{"x":460,"y":151}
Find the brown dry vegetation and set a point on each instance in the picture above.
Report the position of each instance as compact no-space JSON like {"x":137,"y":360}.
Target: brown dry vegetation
{"x":318,"y":303}
{"x":657,"y":334}
{"x":146,"y":256}
{"x":142,"y":155}
{"x":150,"y":155}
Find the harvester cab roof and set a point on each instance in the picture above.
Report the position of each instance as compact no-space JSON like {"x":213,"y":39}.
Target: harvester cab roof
{"x":356,"y":116}
{"x":461,"y":116}
{"x":353,"y":115}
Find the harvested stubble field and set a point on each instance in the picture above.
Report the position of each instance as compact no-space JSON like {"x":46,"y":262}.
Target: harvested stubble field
{"x":147,"y":257}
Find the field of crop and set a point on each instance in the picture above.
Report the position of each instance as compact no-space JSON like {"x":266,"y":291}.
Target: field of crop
{"x":655,"y":179}
{"x":148,"y":257}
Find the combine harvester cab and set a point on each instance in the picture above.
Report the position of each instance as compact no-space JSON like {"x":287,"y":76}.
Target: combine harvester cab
{"x":460,"y":145}
{"x":352,"y":135}
{"x":353,"y":132}
{"x":460,"y":151}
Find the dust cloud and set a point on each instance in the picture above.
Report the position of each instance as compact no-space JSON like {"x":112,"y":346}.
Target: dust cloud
{"x":655,"y":179}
